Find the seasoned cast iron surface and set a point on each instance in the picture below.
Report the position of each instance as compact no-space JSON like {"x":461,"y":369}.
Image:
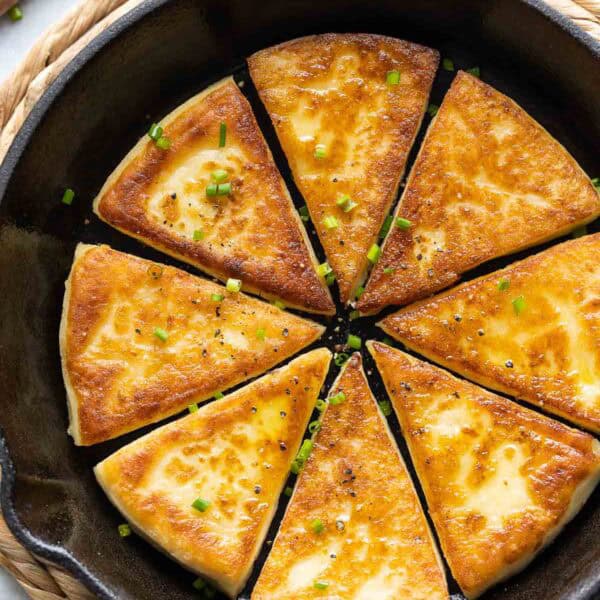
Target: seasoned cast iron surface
{"x":49,"y":494}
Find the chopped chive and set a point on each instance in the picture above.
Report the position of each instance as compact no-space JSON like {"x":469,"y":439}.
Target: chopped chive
{"x":331,"y":222}
{"x":303,"y":212}
{"x":519,"y":305}
{"x":124,"y":530}
{"x":579,"y":231}
{"x":353,"y":342}
{"x":297,"y":466}
{"x":199,"y":584}
{"x":261,"y":334}
{"x":192,"y":408}
{"x":374,"y":253}
{"x":222,"y":134}
{"x":346,"y":203}
{"x":596,"y":183}
{"x":340,"y":358}
{"x":155,"y":132}
{"x":223,"y":189}
{"x":68,"y":197}
{"x":432,"y":110}
{"x":219,"y":175}
{"x":161,"y":334}
{"x":359,"y":291}
{"x":217,"y":297}
{"x":321,"y":585}
{"x":305,"y":450}
{"x":385,"y":228}
{"x":403,"y":223}
{"x":317,"y":526}
{"x":475,"y":71}
{"x":198,"y":235}
{"x":324,"y":269}
{"x":279,"y":304}
{"x":212,"y":189}
{"x":201,"y":504}
{"x":329,"y":279}
{"x":389,"y":270}
{"x":314,"y":426}
{"x":388,"y":340}
{"x":337,"y":399}
{"x":503,"y":284}
{"x":233,"y":285}
{"x":320,"y":405}
{"x":163,"y":142}
{"x":393,"y":77}
{"x":15,"y":13}
{"x":354,"y":314}
{"x":219,"y":395}
{"x":448,"y":64}
{"x":320,"y":151}
{"x":288,"y":491}
{"x":386,"y":407}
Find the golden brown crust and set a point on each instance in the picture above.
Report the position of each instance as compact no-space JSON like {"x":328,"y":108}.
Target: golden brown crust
{"x":120,"y":376}
{"x":235,"y":453}
{"x":254,"y":234}
{"x":488,"y":181}
{"x":355,"y":476}
{"x":332,"y":89}
{"x":549,"y":354}
{"x":500,"y":480}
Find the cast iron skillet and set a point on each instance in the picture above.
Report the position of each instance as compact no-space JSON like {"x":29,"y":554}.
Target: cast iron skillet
{"x":142,"y":66}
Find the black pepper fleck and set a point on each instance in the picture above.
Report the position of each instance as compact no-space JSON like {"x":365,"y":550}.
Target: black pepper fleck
{"x":509,"y":364}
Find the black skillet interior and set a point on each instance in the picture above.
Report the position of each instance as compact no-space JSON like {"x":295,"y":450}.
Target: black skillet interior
{"x":143,"y":66}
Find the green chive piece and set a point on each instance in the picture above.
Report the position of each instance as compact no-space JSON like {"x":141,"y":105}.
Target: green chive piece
{"x":596,"y":183}
{"x":579,"y":232}
{"x":346,"y":203}
{"x":303,"y":212}
{"x":475,"y":71}
{"x":320,"y":151}
{"x":388,"y":340}
{"x":448,"y":64}
{"x":389,"y":270}
{"x":217,"y":297}
{"x":201,"y":504}
{"x":386,"y":407}
{"x":212,"y":189}
{"x":223,"y":189}
{"x":354,"y":342}
{"x":219,"y":395}
{"x":297,"y":465}
{"x":354,"y":314}
{"x":324,"y":269}
{"x":393,"y":77}
{"x":163,"y":142}
{"x":385,"y":228}
{"x":340,"y":358}
{"x":359,"y":291}
{"x":161,"y":334}
{"x":314,"y":426}
{"x":374,"y":253}
{"x":305,"y":450}
{"x":192,"y":408}
{"x":403,"y":223}
{"x":330,"y":279}
{"x":199,"y":584}
{"x":288,"y":491}
{"x":15,"y":13}
{"x":337,"y":399}
{"x":219,"y":175}
{"x":68,"y":197}
{"x":519,"y":305}
{"x":261,"y":334}
{"x":317,"y":526}
{"x":279,"y":304}
{"x":320,"y":405}
{"x":155,"y":132}
{"x":503,"y":284}
{"x":432,"y":110}
{"x":233,"y":285}
{"x":198,"y":235}
{"x":331,"y":222}
{"x":124,"y":530}
{"x":321,"y":585}
{"x":222,"y":134}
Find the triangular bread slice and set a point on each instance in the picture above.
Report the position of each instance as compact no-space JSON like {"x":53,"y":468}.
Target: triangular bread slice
{"x":375,"y":542}
{"x":488,"y":181}
{"x":230,"y":458}
{"x":140,"y":341}
{"x":500,"y":480}
{"x":253,"y":233}
{"x":531,"y":330}
{"x":330,"y":93}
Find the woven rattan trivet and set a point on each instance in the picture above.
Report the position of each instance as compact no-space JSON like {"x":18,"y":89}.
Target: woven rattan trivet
{"x":18,"y":94}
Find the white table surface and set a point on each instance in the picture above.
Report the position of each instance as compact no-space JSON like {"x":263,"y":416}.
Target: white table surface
{"x":15,"y":41}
